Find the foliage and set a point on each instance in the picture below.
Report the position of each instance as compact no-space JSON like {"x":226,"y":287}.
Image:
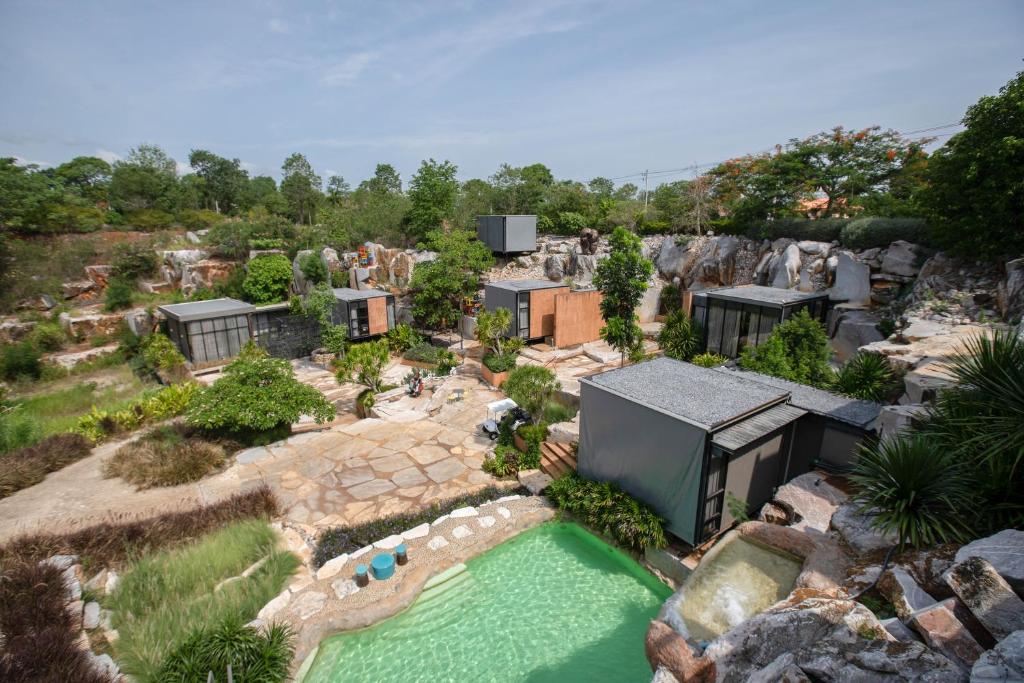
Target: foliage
{"x":737,"y":507}
{"x":432,"y":193}
{"x":554,"y":412}
{"x":492,"y":329}
{"x":364,"y":364}
{"x":797,"y":350}
{"x":351,"y":537}
{"x":816,"y":230}
{"x":300,"y":186}
{"x":915,"y":490}
{"x":254,"y":656}
{"x":504,"y":462}
{"x":159,"y":352}
{"x":440,"y":286}
{"x":531,"y":386}
{"x":622,"y":281}
{"x":425,"y":352}
{"x":145,"y":179}
{"x":670,"y":299}
{"x":313,"y":268}
{"x":168,"y":456}
{"x":865,"y":233}
{"x":120,"y":293}
{"x":680,"y":336}
{"x":256,"y":393}
{"x":868,"y":376}
{"x":402,"y":337}
{"x":268,"y":280}
{"x":115,"y":542}
{"x":498,"y":364}
{"x":165,"y":597}
{"x":610,"y":510}
{"x":975,"y":193}
{"x":49,"y":336}
{"x":18,"y":429}
{"x":20,"y":361}
{"x":709,"y":360}
{"x":533,"y":435}
{"x":334,"y":338}
{"x":223,"y":181}
{"x":27,"y":466}
{"x":133,"y":260}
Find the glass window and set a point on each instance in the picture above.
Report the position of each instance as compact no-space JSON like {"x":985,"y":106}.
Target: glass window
{"x":731,"y":330}
{"x":716,"y":315}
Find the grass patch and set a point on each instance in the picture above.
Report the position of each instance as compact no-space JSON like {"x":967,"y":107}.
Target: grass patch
{"x":40,"y":636}
{"x":118,"y":541}
{"x":553,"y":412}
{"x":165,"y":597}
{"x":168,"y":456}
{"x":345,"y":539}
{"x":25,"y":467}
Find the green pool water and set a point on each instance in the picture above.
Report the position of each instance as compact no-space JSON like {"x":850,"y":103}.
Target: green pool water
{"x":552,"y":604}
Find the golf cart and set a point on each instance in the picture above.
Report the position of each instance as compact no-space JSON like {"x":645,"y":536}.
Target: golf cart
{"x":499,"y":412}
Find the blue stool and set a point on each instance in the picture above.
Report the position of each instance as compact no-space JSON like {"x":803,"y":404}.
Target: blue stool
{"x":383,"y":566}
{"x":362,"y":578}
{"x":401,"y":554}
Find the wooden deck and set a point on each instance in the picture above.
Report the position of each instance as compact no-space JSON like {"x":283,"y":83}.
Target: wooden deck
{"x":557,"y":459}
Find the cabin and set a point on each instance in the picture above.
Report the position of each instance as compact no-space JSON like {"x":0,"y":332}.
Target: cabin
{"x":734,"y":318}
{"x":367,"y":312}
{"x":208,"y":332}
{"x":508,"y":234}
{"x":532,"y":303}
{"x":684,"y":439}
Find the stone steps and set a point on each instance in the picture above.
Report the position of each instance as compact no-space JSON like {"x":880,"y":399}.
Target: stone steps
{"x":557,"y":459}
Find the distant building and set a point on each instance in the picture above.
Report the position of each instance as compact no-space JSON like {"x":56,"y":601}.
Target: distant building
{"x":366,"y":312}
{"x":543,"y":309}
{"x":208,"y":332}
{"x":508,"y":234}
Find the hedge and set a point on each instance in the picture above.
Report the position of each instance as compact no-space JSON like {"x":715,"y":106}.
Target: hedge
{"x":821,"y":230}
{"x":866,"y":233}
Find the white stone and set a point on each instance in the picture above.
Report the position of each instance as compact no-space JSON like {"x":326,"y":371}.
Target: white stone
{"x":344,"y":588}
{"x":362,"y":551}
{"x":437,"y":542}
{"x":61,"y":562}
{"x":507,"y":499}
{"x":416,"y":532}
{"x":274,"y":606}
{"x":331,"y":567}
{"x":389,"y":543}
{"x":486,"y":521}
{"x":440,"y":520}
{"x":105,"y":665}
{"x":309,"y":603}
{"x":112,"y":580}
{"x":504,"y":512}
{"x":853,"y":280}
{"x":464,"y":512}
{"x":461,"y":531}
{"x":91,"y":616}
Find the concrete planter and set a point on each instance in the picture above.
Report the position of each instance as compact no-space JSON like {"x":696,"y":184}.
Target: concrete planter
{"x":495,"y":379}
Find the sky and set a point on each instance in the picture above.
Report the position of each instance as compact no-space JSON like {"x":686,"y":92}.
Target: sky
{"x":587,"y":87}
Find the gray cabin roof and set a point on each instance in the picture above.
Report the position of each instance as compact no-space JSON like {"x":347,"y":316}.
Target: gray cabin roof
{"x":204,"y":310}
{"x":525,"y":285}
{"x":349,"y":294}
{"x":852,"y":411}
{"x":694,"y":394}
{"x":756,"y":426}
{"x":769,"y":296}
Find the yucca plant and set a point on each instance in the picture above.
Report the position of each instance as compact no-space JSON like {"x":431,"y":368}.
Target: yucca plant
{"x":915,"y":489}
{"x":680,"y":336}
{"x":868,"y":376}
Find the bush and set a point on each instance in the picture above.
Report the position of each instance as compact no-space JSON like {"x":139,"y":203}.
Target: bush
{"x":20,"y":361}
{"x":268,"y":279}
{"x":819,"y":230}
{"x":334,"y":338}
{"x":49,"y":337}
{"x":97,"y":424}
{"x":254,"y":656}
{"x":28,"y":466}
{"x":158,"y":352}
{"x":670,"y":299}
{"x":402,"y":338}
{"x":868,"y":376}
{"x":266,"y":243}
{"x":133,"y":261}
{"x":506,"y":461}
{"x":351,"y":537}
{"x":114,"y":542}
{"x":680,"y":336}
{"x":120,"y":293}
{"x":797,"y":350}
{"x":610,"y":510}
{"x":313,"y":268}
{"x":18,"y":429}
{"x":533,"y":436}
{"x":364,"y":364}
{"x":497,"y":363}
{"x":531,"y":386}
{"x":442,"y":359}
{"x":200,"y":219}
{"x":168,"y":456}
{"x":865,"y":233}
{"x":256,"y":393}
{"x":149,"y":219}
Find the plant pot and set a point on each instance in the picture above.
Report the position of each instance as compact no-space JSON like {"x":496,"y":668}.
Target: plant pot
{"x":495,"y":379}
{"x":519,"y":442}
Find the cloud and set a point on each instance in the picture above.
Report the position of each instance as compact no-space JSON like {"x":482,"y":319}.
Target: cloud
{"x":348,"y":70}
{"x":108,"y":156}
{"x":183,"y":169}
{"x":276,"y":25}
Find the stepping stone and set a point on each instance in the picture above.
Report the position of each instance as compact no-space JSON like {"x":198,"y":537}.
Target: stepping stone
{"x":410,"y":476}
{"x":389,"y":543}
{"x":445,"y":470}
{"x":464,"y":512}
{"x":437,"y":542}
{"x":371,"y":489}
{"x":357,"y":475}
{"x":391,"y":463}
{"x":308,"y":604}
{"x":344,"y":588}
{"x":486,"y":521}
{"x":252,"y":455}
{"x":461,"y":531}
{"x":504,"y":512}
{"x":274,"y":606}
{"x":362,"y":551}
{"x":425,"y":454}
{"x":332,"y":567}
{"x":416,"y":532}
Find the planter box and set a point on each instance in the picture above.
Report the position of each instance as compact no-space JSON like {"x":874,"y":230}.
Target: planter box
{"x":419,"y":364}
{"x":495,"y":379}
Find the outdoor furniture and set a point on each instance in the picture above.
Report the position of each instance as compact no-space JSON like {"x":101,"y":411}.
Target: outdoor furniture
{"x":383,"y":565}
{"x":362,"y":577}
{"x":401,"y":554}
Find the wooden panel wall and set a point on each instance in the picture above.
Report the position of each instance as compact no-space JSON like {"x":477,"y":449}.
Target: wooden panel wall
{"x":377,"y":310}
{"x":577,"y":318}
{"x":542,"y":311}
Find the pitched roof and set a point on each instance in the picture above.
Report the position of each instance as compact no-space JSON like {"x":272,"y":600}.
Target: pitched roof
{"x":201,"y":310}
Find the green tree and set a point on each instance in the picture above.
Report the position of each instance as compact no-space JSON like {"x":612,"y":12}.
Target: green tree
{"x":531,"y":386}
{"x":476,"y":198}
{"x":146,"y":179}
{"x":338,"y":188}
{"x":975,"y":193}
{"x":300,"y":186}
{"x":439,"y":287}
{"x":364,"y":364}
{"x":492,"y":329}
{"x":26,"y":196}
{"x":86,"y":177}
{"x":797,"y":350}
{"x":680,"y":336}
{"x":224,"y":180}
{"x":622,"y":280}
{"x":432,"y":191}
{"x":602,"y":187}
{"x":385,"y":180}
{"x":268,"y":279}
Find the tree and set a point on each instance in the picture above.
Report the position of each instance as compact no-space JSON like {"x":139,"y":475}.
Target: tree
{"x":475,"y":198}
{"x":385,"y":180}
{"x":433,"y":191}
{"x":26,"y":196}
{"x":86,"y":177}
{"x":439,"y":287}
{"x":622,"y":279}
{"x":146,"y":179}
{"x":492,"y":329}
{"x":975,"y":195}
{"x":257,"y":393}
{"x":300,"y":186}
{"x":680,"y":336}
{"x":602,"y":187}
{"x":521,"y":190}
{"x":531,"y":386}
{"x":224,"y":181}
{"x":338,"y":188}
{"x":625,"y":192}
{"x":268,"y":279}
{"x":797,"y":350}
{"x":364,"y":364}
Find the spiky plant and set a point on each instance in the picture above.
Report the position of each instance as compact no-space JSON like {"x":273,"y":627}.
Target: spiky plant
{"x":868,"y":376}
{"x":915,"y":489}
{"x":680,"y":336}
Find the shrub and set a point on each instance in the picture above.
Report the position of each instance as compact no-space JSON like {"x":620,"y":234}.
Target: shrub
{"x":18,"y":429}
{"x":500,"y":363}
{"x":425,"y":352}
{"x":97,"y":424}
{"x":41,"y":636}
{"x":506,"y":461}
{"x":670,"y":299}
{"x":553,"y":412}
{"x":168,"y":456}
{"x":254,"y":656}
{"x":364,"y":364}
{"x":868,"y":376}
{"x":268,"y":279}
{"x":20,"y":361}
{"x":531,"y":386}
{"x":610,"y":510}
{"x":120,"y":293}
{"x":680,"y":336}
{"x":266,"y":243}
{"x":159,"y":353}
{"x":402,"y":338}
{"x":133,"y":261}
{"x":114,"y":542}
{"x":200,"y":219}
{"x":492,"y":330}
{"x":916,"y":490}
{"x":334,"y":338}
{"x":865,"y":233}
{"x":49,"y":337}
{"x":256,"y":393}
{"x":149,"y":219}
{"x":25,"y":467}
{"x":533,"y":435}
{"x":818,"y":230}
{"x":351,"y":537}
{"x":313,"y":268}
{"x":797,"y":350}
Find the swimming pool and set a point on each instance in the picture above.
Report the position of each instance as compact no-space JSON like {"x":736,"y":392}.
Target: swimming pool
{"x":552,"y":604}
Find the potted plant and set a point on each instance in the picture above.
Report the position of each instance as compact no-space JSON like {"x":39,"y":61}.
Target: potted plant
{"x":500,"y":350}
{"x":364,"y":364}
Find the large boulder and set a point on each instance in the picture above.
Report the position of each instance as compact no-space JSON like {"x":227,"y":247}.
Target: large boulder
{"x":902,"y":258}
{"x":988,"y":596}
{"x":1003,"y":663}
{"x":176,"y":262}
{"x":77,"y":288}
{"x":204,"y":274}
{"x":582,"y":266}
{"x":649,"y":304}
{"x":784,"y":269}
{"x":856,"y":529}
{"x":1004,"y":551}
{"x":99,"y":274}
{"x":332,"y":263}
{"x":812,"y":248}
{"x":852,"y":280}
{"x":667,"y":649}
{"x":853,"y":328}
{"x":554,"y":267}
{"x":92,"y":325}
{"x":15,"y":330}
{"x":674,"y":259}
{"x":1011,"y":291}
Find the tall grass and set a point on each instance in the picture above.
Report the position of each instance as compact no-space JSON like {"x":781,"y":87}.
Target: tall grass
{"x":164,"y":598}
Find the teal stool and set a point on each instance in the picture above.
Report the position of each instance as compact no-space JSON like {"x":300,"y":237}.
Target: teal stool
{"x":362,"y":578}
{"x":401,"y":554}
{"x":383,"y":566}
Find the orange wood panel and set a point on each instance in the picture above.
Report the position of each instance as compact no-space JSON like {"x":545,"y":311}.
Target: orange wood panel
{"x":377,"y":309}
{"x":542,"y":311}
{"x":577,"y":318}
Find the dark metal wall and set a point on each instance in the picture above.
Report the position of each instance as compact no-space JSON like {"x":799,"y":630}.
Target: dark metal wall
{"x":283,"y":335}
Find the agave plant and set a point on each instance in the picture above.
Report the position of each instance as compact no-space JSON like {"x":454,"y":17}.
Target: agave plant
{"x":915,"y":489}
{"x":868,"y":376}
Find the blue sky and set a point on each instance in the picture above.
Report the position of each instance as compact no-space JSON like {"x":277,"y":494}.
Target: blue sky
{"x":587,"y":87}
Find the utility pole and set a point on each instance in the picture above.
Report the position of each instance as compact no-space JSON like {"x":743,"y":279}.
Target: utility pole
{"x":697,"y":187}
{"x":645,"y":191}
